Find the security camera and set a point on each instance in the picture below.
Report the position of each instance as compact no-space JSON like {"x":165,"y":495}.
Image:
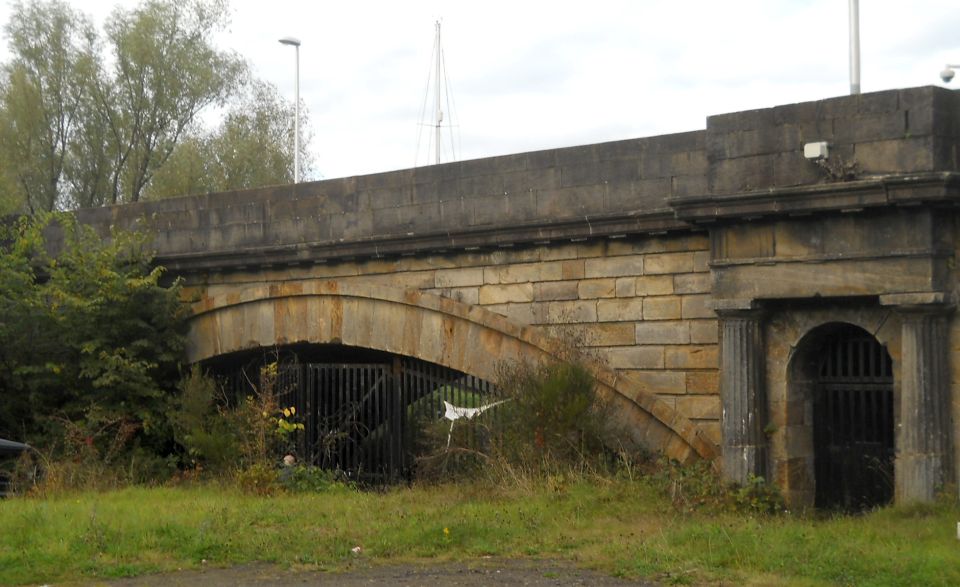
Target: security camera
{"x":947,"y":74}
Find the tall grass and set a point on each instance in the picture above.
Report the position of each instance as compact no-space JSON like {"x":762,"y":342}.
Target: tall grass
{"x":620,"y":527}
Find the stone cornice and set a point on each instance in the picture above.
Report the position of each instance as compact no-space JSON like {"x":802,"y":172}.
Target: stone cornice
{"x":851,"y":196}
{"x":468,"y":239}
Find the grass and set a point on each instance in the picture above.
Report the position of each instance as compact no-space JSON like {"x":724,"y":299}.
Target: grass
{"x":619,"y":527}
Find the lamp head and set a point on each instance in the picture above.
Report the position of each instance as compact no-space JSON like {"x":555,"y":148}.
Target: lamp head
{"x":947,"y":74}
{"x":290,"y":41}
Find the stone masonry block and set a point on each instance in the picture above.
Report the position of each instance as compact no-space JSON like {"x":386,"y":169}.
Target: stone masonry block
{"x":570,"y":202}
{"x":659,"y":382}
{"x":662,"y":308}
{"x":699,"y":407}
{"x":557,"y":252}
{"x":503,"y":294}
{"x":564,"y":312}
{"x":520,"y":273}
{"x":467,"y":295}
{"x":691,"y":357}
{"x":692,"y":283}
{"x":572,"y":269}
{"x":663,"y":332}
{"x":626,"y":287}
{"x":697,"y":306}
{"x":555,"y":290}
{"x":605,"y":334}
{"x":668,"y":263}
{"x":614,"y":266}
{"x":896,"y":155}
{"x":620,"y":310}
{"x":459,"y":277}
{"x":636,"y":357}
{"x":704,"y":331}
{"x":654,"y":285}
{"x":701,"y":261}
{"x":590,"y":289}
{"x":520,"y":313}
{"x":703,"y":382}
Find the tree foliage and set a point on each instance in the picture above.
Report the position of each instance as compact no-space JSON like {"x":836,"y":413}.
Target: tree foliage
{"x":89,"y":118}
{"x":252,"y":147}
{"x":90,"y":338}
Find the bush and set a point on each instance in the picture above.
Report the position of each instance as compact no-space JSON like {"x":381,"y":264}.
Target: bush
{"x":551,"y":418}
{"x":222,"y":434}
{"x":550,"y":421}
{"x":90,"y":343}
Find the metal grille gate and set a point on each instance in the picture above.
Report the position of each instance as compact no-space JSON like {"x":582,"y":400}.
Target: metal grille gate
{"x":363,"y":418}
{"x":853,"y":422}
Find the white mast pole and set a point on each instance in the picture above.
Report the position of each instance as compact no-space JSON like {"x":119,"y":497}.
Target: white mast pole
{"x":437,"y":83}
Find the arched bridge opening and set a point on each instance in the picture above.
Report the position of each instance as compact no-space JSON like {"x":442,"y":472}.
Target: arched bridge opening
{"x":365,"y":413}
{"x":463,"y":338}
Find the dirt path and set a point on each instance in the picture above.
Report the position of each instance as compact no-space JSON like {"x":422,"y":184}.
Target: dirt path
{"x":483,"y":572}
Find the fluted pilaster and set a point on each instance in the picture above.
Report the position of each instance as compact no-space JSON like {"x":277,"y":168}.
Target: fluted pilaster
{"x":924,"y":445}
{"x":743,"y":395}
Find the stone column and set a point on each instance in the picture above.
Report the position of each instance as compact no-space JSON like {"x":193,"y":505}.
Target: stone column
{"x":924,"y":447}
{"x":742,"y":394}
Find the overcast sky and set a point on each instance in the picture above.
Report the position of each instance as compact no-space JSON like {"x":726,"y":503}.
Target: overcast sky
{"x":528,"y":75}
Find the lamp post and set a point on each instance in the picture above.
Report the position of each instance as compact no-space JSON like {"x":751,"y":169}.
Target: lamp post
{"x":947,"y":74}
{"x":296,"y":121}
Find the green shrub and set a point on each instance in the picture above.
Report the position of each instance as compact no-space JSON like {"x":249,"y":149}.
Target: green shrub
{"x":551,"y":417}
{"x":304,"y":479}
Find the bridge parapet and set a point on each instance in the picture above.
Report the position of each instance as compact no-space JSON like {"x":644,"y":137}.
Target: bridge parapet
{"x":634,"y":186}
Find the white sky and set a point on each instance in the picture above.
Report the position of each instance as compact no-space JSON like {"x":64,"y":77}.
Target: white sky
{"x":528,"y":75}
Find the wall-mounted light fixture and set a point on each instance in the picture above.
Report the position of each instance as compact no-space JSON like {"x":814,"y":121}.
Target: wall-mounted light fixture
{"x":818,"y":150}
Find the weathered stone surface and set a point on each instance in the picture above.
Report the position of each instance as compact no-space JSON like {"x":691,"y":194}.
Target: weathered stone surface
{"x":692,"y":283}
{"x":703,"y":382}
{"x":661,"y":308}
{"x":692,"y":357}
{"x":669,"y":263}
{"x":459,"y":277}
{"x":637,"y":357}
{"x":654,"y":285}
{"x":614,"y":267}
{"x":590,"y":289}
{"x":704,"y":331}
{"x":659,"y":382}
{"x":502,"y":294}
{"x":555,"y":290}
{"x":697,"y":306}
{"x":666,"y":332}
{"x":619,"y":310}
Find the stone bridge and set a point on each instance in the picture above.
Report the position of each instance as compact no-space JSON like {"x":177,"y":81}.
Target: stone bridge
{"x":743,"y":302}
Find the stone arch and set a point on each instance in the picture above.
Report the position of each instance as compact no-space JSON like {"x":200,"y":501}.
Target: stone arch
{"x":792,"y":339}
{"x":468,"y":338}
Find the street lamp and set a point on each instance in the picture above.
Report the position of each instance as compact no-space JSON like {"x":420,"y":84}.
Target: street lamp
{"x":296,"y":124}
{"x":947,"y":74}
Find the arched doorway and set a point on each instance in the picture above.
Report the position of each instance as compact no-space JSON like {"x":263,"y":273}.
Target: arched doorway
{"x":850,"y":376}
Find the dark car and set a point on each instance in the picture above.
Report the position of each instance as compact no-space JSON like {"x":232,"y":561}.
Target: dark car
{"x":9,"y":451}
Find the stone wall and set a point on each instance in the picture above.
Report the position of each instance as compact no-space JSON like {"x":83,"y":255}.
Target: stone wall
{"x":642,"y":304}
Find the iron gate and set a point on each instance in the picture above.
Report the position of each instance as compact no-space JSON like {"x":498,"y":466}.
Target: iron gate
{"x":365,"y":419}
{"x":853,"y":423}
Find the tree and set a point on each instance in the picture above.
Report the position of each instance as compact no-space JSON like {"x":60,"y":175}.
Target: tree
{"x":80,"y":130}
{"x":166,"y":71}
{"x":90,"y":338}
{"x":41,"y":98}
{"x":252,"y":147}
